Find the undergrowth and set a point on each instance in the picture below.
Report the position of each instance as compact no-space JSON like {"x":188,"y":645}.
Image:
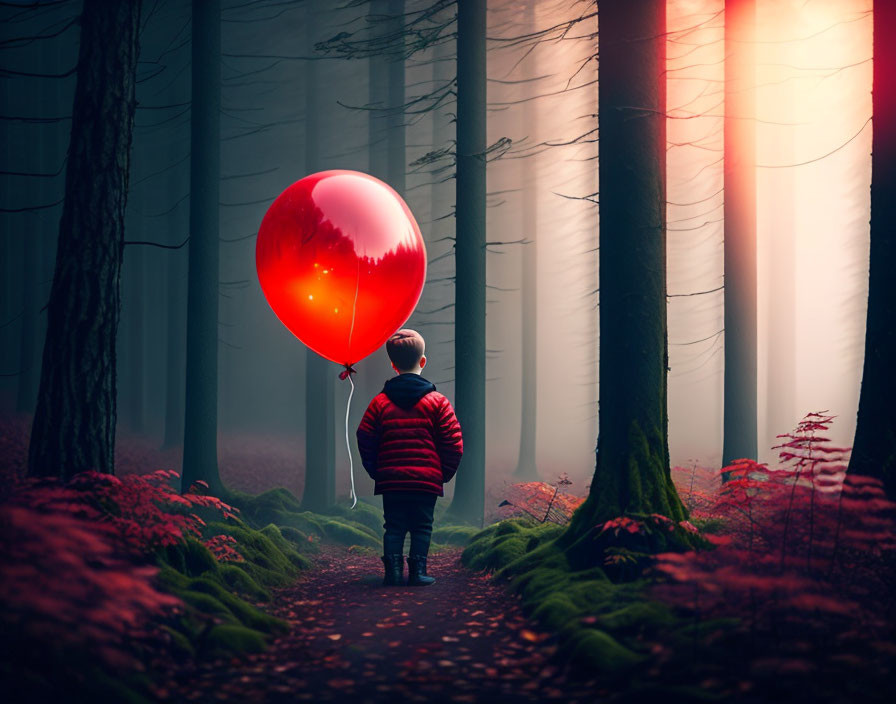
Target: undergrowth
{"x":788,"y":594}
{"x":104,"y":574}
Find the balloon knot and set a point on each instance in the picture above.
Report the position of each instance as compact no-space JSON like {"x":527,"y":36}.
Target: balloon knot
{"x":349,"y":369}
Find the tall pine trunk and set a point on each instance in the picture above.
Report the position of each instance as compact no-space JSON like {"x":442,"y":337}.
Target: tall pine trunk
{"x":37,"y":236}
{"x":135,"y":322}
{"x":469,"y":347}
{"x":174,"y":352}
{"x":200,"y":459}
{"x":175,"y":299}
{"x":874,"y":449}
{"x":740,"y":416}
{"x":780,"y":348}
{"x":632,"y":464}
{"x":396,"y":117}
{"x":526,"y":467}
{"x":74,"y":422}
{"x":320,"y":439}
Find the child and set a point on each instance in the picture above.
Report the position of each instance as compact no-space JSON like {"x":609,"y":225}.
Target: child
{"x":410,"y":444}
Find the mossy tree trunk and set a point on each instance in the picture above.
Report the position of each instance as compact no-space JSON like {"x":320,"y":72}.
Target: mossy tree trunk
{"x":200,"y":460}
{"x":468,"y":503}
{"x":74,"y":421}
{"x":320,"y":428}
{"x":740,"y":415}
{"x":632,"y":468}
{"x":874,"y":449}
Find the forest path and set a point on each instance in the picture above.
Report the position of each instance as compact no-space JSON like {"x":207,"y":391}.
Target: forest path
{"x":462,"y":639}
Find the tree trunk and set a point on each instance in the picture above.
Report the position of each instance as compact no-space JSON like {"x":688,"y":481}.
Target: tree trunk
{"x":200,"y":459}
{"x":174,"y":353}
{"x":442,"y":73}
{"x":874,"y":449}
{"x":135,"y":323}
{"x":469,"y":347}
{"x":320,"y":429}
{"x":37,"y":236}
{"x":526,"y":467}
{"x":31,"y":276}
{"x":175,"y":294}
{"x":632,"y":468}
{"x":780,"y":387}
{"x":377,"y":84}
{"x":396,"y":117}
{"x":740,"y":415}
{"x":74,"y":422}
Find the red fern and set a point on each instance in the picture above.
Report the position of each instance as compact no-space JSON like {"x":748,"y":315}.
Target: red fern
{"x":802,"y":544}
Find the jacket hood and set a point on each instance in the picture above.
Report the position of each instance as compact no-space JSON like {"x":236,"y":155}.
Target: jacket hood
{"x":405,"y":390}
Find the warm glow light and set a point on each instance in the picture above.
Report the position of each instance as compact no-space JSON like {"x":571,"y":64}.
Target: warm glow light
{"x":813,"y":143}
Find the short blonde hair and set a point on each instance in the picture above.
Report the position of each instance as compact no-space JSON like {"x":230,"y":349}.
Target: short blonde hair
{"x":405,"y":348}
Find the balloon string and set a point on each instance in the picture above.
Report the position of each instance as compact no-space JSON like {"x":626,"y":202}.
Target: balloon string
{"x":351,"y":467}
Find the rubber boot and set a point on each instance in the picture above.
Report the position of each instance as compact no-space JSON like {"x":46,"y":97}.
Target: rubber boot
{"x":417,"y":576}
{"x":394,"y":565}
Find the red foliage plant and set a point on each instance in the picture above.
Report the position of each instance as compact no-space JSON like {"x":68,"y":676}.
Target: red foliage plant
{"x":798,"y":544}
{"x":75,"y":566}
{"x":223,"y":548}
{"x":541,"y":501}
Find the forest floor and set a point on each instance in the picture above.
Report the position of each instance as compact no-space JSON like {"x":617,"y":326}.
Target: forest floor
{"x":461,"y":639}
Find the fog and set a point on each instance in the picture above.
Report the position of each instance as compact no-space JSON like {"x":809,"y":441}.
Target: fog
{"x":813,"y":143}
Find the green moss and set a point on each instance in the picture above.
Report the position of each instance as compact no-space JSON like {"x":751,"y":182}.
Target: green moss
{"x":296,"y":536}
{"x":225,"y":640}
{"x":288,"y":549}
{"x":454,"y":534}
{"x":181,"y":646}
{"x":362,"y":513}
{"x":636,"y":618}
{"x":241,"y":582}
{"x":190,"y":557}
{"x":556,"y":610}
{"x":558,"y":592}
{"x":708,"y":525}
{"x":206,"y":604}
{"x":265,"y":562}
{"x":502,"y":550}
{"x":347,"y":534}
{"x":247,"y":614}
{"x":171,"y":580}
{"x":597,"y":651}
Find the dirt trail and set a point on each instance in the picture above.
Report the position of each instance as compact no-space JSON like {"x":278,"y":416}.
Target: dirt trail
{"x":462,"y":639}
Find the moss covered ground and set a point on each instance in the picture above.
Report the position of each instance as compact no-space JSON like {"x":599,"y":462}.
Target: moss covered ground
{"x":603,"y":625}
{"x":224,"y":600}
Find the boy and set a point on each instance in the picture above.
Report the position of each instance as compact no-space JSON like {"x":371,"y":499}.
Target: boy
{"x":410,"y":444}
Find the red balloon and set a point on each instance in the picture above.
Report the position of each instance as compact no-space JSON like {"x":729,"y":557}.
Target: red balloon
{"x":341,"y":262}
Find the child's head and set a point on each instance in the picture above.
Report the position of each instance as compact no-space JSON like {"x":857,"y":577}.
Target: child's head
{"x":405,"y":348}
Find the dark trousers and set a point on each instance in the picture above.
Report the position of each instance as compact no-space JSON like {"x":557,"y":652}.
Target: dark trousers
{"x":407,"y":511}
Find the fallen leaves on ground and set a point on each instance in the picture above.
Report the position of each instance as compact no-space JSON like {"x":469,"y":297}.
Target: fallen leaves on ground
{"x":461,"y":639}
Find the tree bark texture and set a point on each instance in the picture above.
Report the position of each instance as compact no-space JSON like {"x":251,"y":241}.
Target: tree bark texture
{"x":74,"y":421}
{"x":469,"y":349}
{"x":740,"y":411}
{"x":526,"y":467}
{"x":396,"y":116}
{"x":874,"y":449}
{"x":320,"y":428}
{"x":632,"y":465}
{"x":200,"y":459}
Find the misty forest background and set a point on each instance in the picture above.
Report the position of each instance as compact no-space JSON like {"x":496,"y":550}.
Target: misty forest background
{"x":174,"y":514}
{"x":310,"y":86}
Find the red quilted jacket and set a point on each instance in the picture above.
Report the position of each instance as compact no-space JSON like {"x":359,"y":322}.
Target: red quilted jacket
{"x":409,"y":438}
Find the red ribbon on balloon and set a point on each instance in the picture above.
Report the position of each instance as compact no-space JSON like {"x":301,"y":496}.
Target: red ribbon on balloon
{"x":341,"y":261}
